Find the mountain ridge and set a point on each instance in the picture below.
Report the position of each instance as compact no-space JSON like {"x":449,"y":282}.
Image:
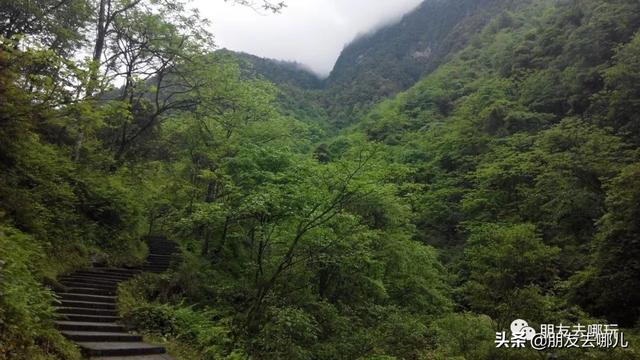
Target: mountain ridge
{"x":390,"y":59}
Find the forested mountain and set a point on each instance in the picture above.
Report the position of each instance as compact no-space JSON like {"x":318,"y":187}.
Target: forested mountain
{"x":523,"y":141}
{"x":390,"y":59}
{"x":277,"y":71}
{"x":499,"y":179}
{"x":299,"y":90}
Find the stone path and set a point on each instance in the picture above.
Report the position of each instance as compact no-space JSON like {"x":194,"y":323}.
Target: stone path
{"x":88,"y":314}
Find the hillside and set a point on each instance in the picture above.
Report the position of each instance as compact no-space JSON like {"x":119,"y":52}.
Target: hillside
{"x":388,"y":60}
{"x":299,"y":90}
{"x":529,"y":138}
{"x":391,"y":59}
{"x":277,"y":71}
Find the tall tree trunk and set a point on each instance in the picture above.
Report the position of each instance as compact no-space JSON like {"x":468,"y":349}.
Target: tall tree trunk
{"x":206,"y":238}
{"x":98,"y":48}
{"x":208,"y":232}
{"x":225,"y":230}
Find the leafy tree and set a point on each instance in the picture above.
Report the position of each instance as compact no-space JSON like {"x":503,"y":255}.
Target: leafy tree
{"x":615,"y":267}
{"x":621,"y":81}
{"x":508,"y":273}
{"x":464,"y":335}
{"x":53,"y":25}
{"x":26,"y":304}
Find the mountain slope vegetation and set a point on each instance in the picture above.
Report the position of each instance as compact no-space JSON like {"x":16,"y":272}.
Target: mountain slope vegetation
{"x":388,"y":60}
{"x":391,"y":59}
{"x":504,"y":184}
{"x":525,"y":132}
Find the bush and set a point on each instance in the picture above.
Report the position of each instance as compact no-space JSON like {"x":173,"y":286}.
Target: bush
{"x":288,"y":334}
{"x":190,"y":332}
{"x":26,"y":312}
{"x":464,"y":336}
{"x":153,"y":318}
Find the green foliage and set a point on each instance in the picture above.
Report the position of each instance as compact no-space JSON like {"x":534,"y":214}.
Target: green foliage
{"x":26,"y":312}
{"x":70,"y":209}
{"x":289,"y":333}
{"x":510,"y":146}
{"x":502,"y":185}
{"x":464,"y":336}
{"x":193,"y":329}
{"x":508,"y":269}
{"x":393,"y":58}
{"x":53,"y":24}
{"x":615,"y":268}
{"x":622,"y":81}
{"x":277,"y":71}
{"x":498,"y":158}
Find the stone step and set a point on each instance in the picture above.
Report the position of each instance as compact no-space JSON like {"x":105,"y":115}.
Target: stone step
{"x":163,"y":250}
{"x":89,"y":326}
{"x":90,"y":291}
{"x":87,"y":284}
{"x":156,"y":238}
{"x":156,"y":260}
{"x":88,"y":304}
{"x":121,"y":271}
{"x":85,"y":311}
{"x":95,"y":336}
{"x":152,"y":244}
{"x":102,"y":274}
{"x":89,"y":318}
{"x":161,"y":256}
{"x":163,"y":263}
{"x":119,"y":348}
{"x":140,"y":357}
{"x":94,"y":279}
{"x":155,"y":266}
{"x":89,"y":281}
{"x":87,"y":297}
{"x":111,"y":271}
{"x":132,"y":268}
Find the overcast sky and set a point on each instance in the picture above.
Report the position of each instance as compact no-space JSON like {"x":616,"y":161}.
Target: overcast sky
{"x":311,"y":32}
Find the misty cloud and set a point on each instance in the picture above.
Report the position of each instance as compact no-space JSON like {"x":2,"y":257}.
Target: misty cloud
{"x":311,"y":32}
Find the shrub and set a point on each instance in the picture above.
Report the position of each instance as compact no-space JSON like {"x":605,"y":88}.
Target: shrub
{"x":26,"y":311}
{"x":288,"y":335}
{"x":192,"y":332}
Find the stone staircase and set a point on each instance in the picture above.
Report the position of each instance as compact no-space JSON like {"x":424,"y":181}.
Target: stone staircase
{"x":88,"y":314}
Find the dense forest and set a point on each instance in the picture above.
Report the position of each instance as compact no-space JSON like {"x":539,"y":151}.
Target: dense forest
{"x":475,"y":163}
